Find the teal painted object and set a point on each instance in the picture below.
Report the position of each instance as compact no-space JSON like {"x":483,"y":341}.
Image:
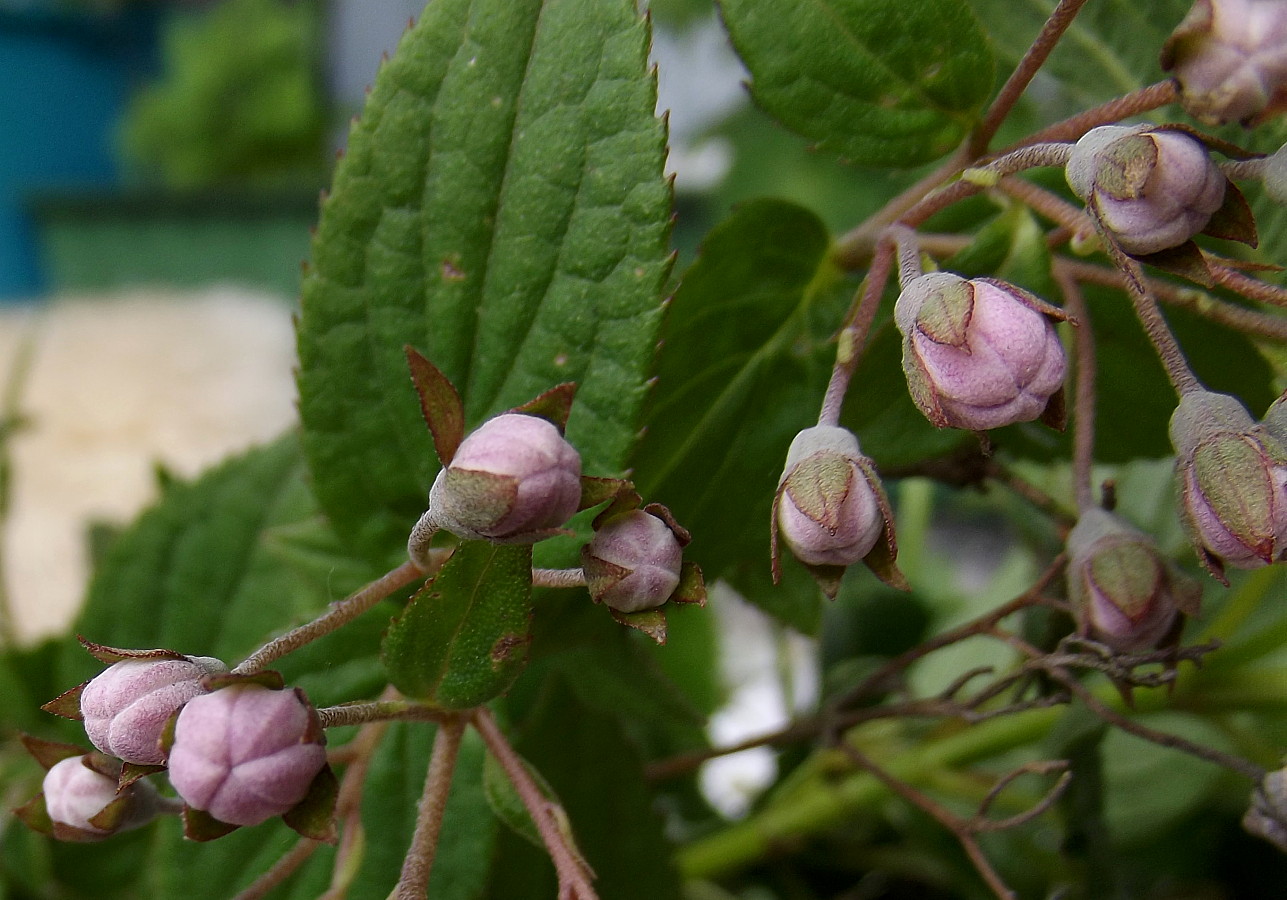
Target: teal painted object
{"x":66,"y":79}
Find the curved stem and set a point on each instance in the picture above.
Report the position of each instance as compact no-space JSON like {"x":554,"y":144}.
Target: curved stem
{"x":413,"y":884}
{"x":380,"y":711}
{"x":339,"y":615}
{"x":1136,"y":102}
{"x":284,"y":868}
{"x":1023,"y":73}
{"x":573,"y":873}
{"x":1248,"y":287}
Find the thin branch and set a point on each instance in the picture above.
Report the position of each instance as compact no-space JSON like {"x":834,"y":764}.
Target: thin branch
{"x":1023,"y":73}
{"x":339,"y":615}
{"x":558,"y":578}
{"x":573,"y":874}
{"x":1136,"y":102}
{"x":1159,"y":333}
{"x":1248,"y":287}
{"x":413,"y":884}
{"x":284,"y":868}
{"x":853,"y":337}
{"x":348,"y":807}
{"x":1051,"y":206}
{"x":1063,"y":520}
{"x":381,"y":711}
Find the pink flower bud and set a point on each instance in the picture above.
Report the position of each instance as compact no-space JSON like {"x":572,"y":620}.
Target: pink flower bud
{"x":514,"y":480}
{"x":632,"y":563}
{"x":127,"y":706}
{"x":1124,"y":592}
{"x":246,"y":753}
{"x":1230,"y":59}
{"x":830,"y":507}
{"x":1149,"y":189}
{"x":77,"y":796}
{"x":979,"y":354}
{"x":1231,"y":475}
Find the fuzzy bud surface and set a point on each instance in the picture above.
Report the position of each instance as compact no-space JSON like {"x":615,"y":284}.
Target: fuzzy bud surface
{"x":127,"y":705}
{"x":1231,"y":475}
{"x":829,"y":507}
{"x":246,"y":753}
{"x":75,"y":792}
{"x":978,"y":354}
{"x":1230,"y":59}
{"x":1267,"y":815}
{"x":1149,"y":189}
{"x":633,"y":562}
{"x":513,"y":480}
{"x":1125,"y":594}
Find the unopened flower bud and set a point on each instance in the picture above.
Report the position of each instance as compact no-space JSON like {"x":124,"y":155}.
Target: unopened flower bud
{"x":1230,"y":59}
{"x":980,"y":354}
{"x":1267,"y":815}
{"x":82,"y":796}
{"x":1231,"y":475}
{"x":633,"y":562}
{"x":127,"y":706}
{"x":830,"y":508}
{"x":1124,"y":593}
{"x":1149,"y":189}
{"x":514,"y":480}
{"x":246,"y":753}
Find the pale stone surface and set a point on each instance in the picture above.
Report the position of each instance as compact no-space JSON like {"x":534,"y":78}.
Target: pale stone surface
{"x":117,"y":385}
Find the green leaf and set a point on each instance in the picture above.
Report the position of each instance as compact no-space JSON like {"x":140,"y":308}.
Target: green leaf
{"x":501,"y":208}
{"x":464,"y":638}
{"x":879,"y":82}
{"x":201,"y":572}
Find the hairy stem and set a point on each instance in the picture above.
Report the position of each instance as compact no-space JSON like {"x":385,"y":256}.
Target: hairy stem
{"x":558,"y":578}
{"x":853,"y":337}
{"x":1159,"y":333}
{"x":413,"y":884}
{"x":573,"y":875}
{"x":339,"y":615}
{"x":1248,"y":287}
{"x":1132,"y":104}
{"x":380,"y":711}
{"x":1023,"y":73}
{"x":284,"y":868}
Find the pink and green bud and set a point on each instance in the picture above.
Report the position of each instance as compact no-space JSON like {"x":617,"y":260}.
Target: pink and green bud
{"x":1149,"y":189}
{"x":1230,"y":60}
{"x":127,"y":706}
{"x":633,"y":562}
{"x":514,"y":480}
{"x":981,"y":353}
{"x":831,"y":511}
{"x":1124,"y":592}
{"x":84,"y":803}
{"x":1267,"y":815}
{"x":245,"y":753}
{"x":1231,"y":474}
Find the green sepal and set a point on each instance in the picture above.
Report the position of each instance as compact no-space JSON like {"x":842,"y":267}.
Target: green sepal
{"x":132,"y":772}
{"x":464,"y":637}
{"x":109,"y":655}
{"x":314,"y":816}
{"x":440,"y":404}
{"x":265,"y":678}
{"x":200,"y":826}
{"x":35,"y":815}
{"x":505,"y":803}
{"x":651,"y":622}
{"x":692,"y":585}
{"x":595,"y":490}
{"x":110,"y":817}
{"x":1233,"y":221}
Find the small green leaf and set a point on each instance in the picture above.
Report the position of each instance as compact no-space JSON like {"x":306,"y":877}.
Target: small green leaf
{"x":505,"y":803}
{"x":464,"y":638}
{"x":501,"y":206}
{"x":879,"y":82}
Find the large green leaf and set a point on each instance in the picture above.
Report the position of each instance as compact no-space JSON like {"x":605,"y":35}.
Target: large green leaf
{"x":212,"y":569}
{"x":464,"y":638}
{"x":502,"y":208}
{"x":880,"y":82}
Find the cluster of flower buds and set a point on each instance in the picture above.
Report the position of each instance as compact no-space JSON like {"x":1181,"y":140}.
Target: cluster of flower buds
{"x":239,"y":749}
{"x":831,"y":510}
{"x":981,"y":353}
{"x":1230,"y":60}
{"x":1124,"y":592}
{"x":1231,"y":475}
{"x":1153,"y":189}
